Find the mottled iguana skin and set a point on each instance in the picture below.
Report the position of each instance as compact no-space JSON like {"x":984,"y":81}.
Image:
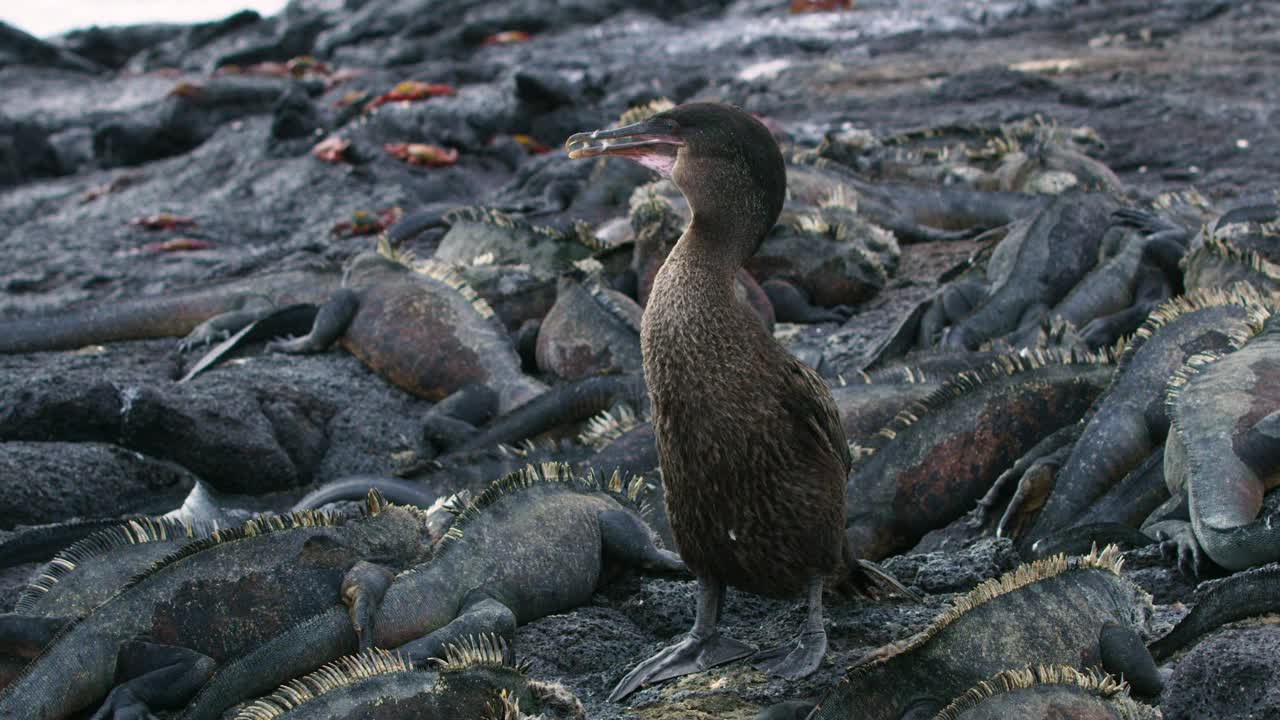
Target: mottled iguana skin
{"x":535,"y":543}
{"x":1224,"y":448}
{"x":208,"y":602}
{"x":1130,"y":419}
{"x":475,"y":680}
{"x":1053,"y":611}
{"x":1048,"y":692}
{"x":86,"y":574}
{"x":932,"y":463}
{"x":426,"y":332}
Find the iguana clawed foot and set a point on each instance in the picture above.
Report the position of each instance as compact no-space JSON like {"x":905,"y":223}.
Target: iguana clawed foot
{"x":1178,"y":543}
{"x":203,"y":336}
{"x":793,"y":660}
{"x":362,"y":591}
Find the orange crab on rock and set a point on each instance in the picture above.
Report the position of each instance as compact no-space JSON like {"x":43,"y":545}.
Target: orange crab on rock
{"x":411,"y":91}
{"x":422,"y":154}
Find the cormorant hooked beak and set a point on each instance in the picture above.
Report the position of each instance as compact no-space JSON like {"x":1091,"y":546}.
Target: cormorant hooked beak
{"x":652,"y":143}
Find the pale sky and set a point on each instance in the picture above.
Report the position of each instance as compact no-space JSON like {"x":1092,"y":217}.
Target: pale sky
{"x":50,"y":17}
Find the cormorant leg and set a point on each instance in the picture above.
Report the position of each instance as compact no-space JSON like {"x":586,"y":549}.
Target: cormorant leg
{"x":628,"y":540}
{"x":479,"y":615}
{"x":331,"y":322}
{"x":362,"y":590}
{"x":704,"y":647}
{"x":1125,"y":655}
{"x":799,"y":658}
{"x":154,"y":675}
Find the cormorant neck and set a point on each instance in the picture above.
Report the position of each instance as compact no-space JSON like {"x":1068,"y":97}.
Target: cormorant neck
{"x":720,"y":241}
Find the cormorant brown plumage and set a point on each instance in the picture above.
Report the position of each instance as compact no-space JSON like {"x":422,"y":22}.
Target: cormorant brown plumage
{"x":753,"y":456}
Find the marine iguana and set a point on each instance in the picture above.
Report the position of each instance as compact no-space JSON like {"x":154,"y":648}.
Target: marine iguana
{"x":162,"y":634}
{"x":1245,"y":594}
{"x":86,"y":574}
{"x":936,"y":458}
{"x":1223,"y":448}
{"x":1130,"y":419}
{"x":1060,"y":247}
{"x":591,"y":330}
{"x":487,"y":575}
{"x":1220,"y":262}
{"x":423,"y":329}
{"x":913,"y":213}
{"x":1048,"y":692}
{"x":1052,"y":611}
{"x":475,"y":679}
{"x":1113,"y":299}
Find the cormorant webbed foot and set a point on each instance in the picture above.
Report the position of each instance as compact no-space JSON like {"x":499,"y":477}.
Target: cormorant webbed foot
{"x":793,"y":660}
{"x":690,"y":655}
{"x":800,"y":658}
{"x":703,"y":648}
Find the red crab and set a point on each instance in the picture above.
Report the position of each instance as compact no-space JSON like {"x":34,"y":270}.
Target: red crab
{"x":332,"y":149}
{"x":161,"y":221}
{"x":506,"y":36}
{"x":363,"y":222}
{"x":411,"y":90}
{"x":422,"y":154}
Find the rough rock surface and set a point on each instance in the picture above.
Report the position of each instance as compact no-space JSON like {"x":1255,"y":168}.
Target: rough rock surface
{"x":102,"y":126}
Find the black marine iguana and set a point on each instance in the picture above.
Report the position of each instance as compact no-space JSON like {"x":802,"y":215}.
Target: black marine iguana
{"x":1223,"y":449}
{"x":475,"y":679}
{"x":932,"y":463}
{"x":1130,"y":419}
{"x":535,"y":543}
{"x":214,"y":599}
{"x":1079,"y":612}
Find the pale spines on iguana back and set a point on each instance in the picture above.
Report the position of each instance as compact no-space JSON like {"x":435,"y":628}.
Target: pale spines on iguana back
{"x":1129,"y":420}
{"x":1045,"y":692}
{"x":1051,"y":611}
{"x":476,"y":679}
{"x":90,"y":570}
{"x":1222,"y":448}
{"x":937,"y":458}
{"x":189,"y":607}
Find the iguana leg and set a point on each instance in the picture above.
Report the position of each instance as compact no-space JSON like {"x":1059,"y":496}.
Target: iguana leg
{"x":455,"y":419}
{"x":221,"y":327}
{"x":1125,"y":655}
{"x":799,"y":659}
{"x":362,"y":591}
{"x":704,"y":647}
{"x":1102,"y":331}
{"x":332,"y":320}
{"x":479,"y":615}
{"x":152,"y":675}
{"x":790,"y":304}
{"x":1045,"y":450}
{"x":1178,"y":543}
{"x":628,"y":540}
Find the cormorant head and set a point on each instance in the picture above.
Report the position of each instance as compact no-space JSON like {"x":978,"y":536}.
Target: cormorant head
{"x":725,"y":162}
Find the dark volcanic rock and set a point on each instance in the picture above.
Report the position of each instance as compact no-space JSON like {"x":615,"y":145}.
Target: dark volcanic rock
{"x":1230,"y":675}
{"x":25,"y":153}
{"x":51,"y":481}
